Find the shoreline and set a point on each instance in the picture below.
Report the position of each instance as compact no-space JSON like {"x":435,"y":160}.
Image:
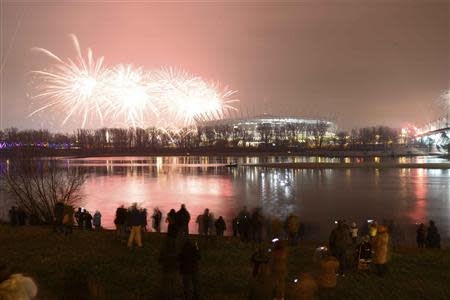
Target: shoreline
{"x":352,"y":165}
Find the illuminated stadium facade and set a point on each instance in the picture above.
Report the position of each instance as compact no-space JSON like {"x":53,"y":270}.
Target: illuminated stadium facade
{"x":267,"y":129}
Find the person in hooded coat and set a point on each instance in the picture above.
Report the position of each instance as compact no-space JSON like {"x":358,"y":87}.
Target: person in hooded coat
{"x":16,"y":286}
{"x":380,"y":246}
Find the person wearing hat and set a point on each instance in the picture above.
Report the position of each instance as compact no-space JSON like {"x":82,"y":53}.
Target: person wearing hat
{"x":339,"y":241}
{"x":380,"y":245}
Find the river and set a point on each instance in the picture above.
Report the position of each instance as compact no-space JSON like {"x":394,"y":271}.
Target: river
{"x":318,"y":196}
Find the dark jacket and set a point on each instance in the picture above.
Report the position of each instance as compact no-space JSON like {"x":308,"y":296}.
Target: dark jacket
{"x":339,"y":239}
{"x":220,"y":225}
{"x":433,"y":237}
{"x":189,"y":258}
{"x":134,"y":217}
{"x":121,"y":215}
{"x":183,"y":217}
{"x":59,"y":212}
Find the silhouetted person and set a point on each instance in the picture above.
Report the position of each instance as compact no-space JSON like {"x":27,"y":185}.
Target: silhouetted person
{"x":13,"y":216}
{"x":261,"y":285}
{"x":134,"y":219}
{"x":168,"y":260}
{"x":278,"y":268}
{"x":235,"y":225}
{"x":244,"y":224}
{"x":292,"y":229}
{"x":171,"y":221}
{"x":211,"y":224}
{"x":189,"y":258}
{"x":143,"y":214}
{"x":203,"y":222}
{"x":120,"y":220}
{"x":79,"y":217}
{"x":260,"y":257}
{"x":87,"y":220}
{"x":421,"y":235}
{"x":68,"y":219}
{"x":220,"y":226}
{"x":433,"y":239}
{"x":97,"y":220}
{"x":58,"y":212}
{"x":256,"y":223}
{"x":339,"y":242}
{"x":156,"y":220}
{"x":182,"y":219}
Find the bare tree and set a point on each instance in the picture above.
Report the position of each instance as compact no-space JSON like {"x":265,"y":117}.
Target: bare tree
{"x":38,"y":185}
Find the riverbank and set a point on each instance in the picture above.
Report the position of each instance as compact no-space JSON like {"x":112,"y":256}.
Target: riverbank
{"x":392,"y":151}
{"x":351,"y":165}
{"x":99,"y":263}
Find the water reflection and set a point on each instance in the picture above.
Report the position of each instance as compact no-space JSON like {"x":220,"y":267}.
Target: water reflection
{"x":319,"y":196}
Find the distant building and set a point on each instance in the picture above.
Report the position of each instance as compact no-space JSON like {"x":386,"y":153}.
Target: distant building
{"x":266,"y":129}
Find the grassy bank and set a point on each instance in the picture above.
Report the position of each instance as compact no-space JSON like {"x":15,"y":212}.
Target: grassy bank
{"x":87,"y":263}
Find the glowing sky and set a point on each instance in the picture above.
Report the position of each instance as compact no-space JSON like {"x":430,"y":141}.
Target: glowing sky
{"x":363,"y":62}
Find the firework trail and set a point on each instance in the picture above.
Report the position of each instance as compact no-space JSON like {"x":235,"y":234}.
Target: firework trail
{"x":170,"y":98}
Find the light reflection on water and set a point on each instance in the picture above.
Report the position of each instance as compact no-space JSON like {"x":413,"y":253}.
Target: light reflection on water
{"x":319,"y":196}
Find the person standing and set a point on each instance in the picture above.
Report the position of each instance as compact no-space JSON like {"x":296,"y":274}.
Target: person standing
{"x":380,"y":245}
{"x":156,"y":220}
{"x":261,"y":287}
{"x":189,"y":259}
{"x":58,"y":212}
{"x":259,"y":258}
{"x":135,"y":222}
{"x":235,"y":224}
{"x":87,"y":220}
{"x":256,"y":223}
{"x":292,"y":228}
{"x":97,"y":220}
{"x":202,"y":222}
{"x":433,"y":239}
{"x":220,"y":226}
{"x":79,"y":217}
{"x":420,"y":235}
{"x":338,"y":242}
{"x":168,"y":260}
{"x":120,"y":221}
{"x":171,"y":221}
{"x":68,"y":219}
{"x":278,"y":268}
{"x":354,"y":233}
{"x":244,"y":224}
{"x":183,"y":218}
{"x":143,"y":212}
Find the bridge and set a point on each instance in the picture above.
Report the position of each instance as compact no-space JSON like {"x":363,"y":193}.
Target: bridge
{"x":436,"y":134}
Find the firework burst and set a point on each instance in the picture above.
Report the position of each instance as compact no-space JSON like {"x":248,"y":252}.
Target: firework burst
{"x":77,"y":87}
{"x":127,"y":96}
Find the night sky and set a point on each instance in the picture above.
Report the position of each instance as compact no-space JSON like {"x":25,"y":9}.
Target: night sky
{"x":359,"y":62}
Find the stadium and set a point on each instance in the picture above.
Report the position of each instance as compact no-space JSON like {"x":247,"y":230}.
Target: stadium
{"x":267,"y":129}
